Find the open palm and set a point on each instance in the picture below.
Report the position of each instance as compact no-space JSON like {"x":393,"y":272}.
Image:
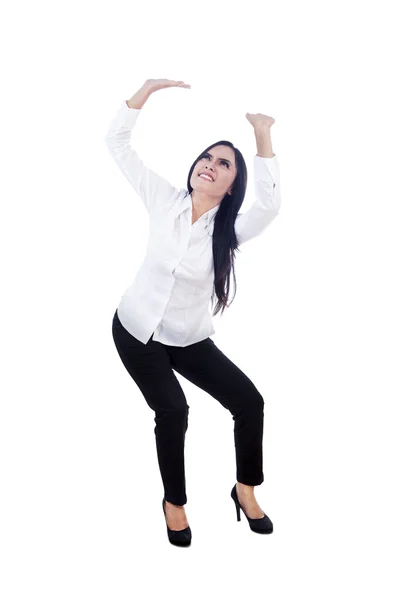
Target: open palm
{"x":159,"y":84}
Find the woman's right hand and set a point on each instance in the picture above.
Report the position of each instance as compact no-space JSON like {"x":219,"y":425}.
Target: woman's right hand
{"x":158,"y":84}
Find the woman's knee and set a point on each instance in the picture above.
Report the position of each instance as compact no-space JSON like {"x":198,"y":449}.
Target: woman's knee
{"x":175,"y":414}
{"x":254,"y":400}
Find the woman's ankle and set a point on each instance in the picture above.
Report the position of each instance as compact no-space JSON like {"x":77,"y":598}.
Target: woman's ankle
{"x":167,"y":502}
{"x":245,"y":489}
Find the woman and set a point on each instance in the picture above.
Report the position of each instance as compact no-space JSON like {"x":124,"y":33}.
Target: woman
{"x":162,"y":323}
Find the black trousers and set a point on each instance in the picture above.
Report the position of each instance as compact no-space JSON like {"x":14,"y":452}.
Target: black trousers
{"x":152,"y":367}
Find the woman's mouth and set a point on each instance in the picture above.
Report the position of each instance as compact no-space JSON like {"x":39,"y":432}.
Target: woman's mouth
{"x":206,"y":177}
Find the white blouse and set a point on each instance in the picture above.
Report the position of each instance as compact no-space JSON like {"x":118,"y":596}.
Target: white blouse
{"x":171,"y":292}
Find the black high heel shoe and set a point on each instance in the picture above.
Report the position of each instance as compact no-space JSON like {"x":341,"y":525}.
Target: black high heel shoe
{"x":263,"y":525}
{"x":181,"y":537}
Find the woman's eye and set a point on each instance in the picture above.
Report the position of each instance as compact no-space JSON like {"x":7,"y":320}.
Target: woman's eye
{"x":223,"y":162}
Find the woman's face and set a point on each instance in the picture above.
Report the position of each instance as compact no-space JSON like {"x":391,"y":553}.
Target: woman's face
{"x":219,"y":164}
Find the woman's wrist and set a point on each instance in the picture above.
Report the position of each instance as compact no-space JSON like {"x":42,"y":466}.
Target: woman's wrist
{"x":263,"y":141}
{"x":139,"y":99}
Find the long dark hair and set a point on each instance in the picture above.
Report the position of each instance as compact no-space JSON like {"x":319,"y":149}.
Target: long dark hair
{"x":225,"y":243}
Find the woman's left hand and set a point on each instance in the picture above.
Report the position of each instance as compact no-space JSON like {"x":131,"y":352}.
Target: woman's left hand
{"x":257,"y":119}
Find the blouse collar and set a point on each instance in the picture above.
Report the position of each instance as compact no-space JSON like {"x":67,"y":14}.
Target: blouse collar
{"x":208,"y":216}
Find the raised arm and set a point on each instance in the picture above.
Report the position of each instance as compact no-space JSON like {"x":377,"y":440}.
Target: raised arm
{"x":266,"y":183}
{"x":151,"y":187}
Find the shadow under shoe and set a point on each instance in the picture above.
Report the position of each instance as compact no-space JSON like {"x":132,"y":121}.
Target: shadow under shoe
{"x":182,"y":537}
{"x":262,"y":525}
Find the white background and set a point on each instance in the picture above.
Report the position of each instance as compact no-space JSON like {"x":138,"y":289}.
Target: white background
{"x":315,"y":321}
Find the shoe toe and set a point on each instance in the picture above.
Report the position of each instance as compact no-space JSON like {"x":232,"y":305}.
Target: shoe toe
{"x":180,"y":538}
{"x":263,"y":525}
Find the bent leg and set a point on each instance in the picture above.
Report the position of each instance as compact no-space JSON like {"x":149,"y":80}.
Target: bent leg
{"x":205,"y":365}
{"x":149,"y":366}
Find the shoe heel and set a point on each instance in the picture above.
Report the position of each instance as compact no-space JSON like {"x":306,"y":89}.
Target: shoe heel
{"x":235,"y":499}
{"x":237,"y":512}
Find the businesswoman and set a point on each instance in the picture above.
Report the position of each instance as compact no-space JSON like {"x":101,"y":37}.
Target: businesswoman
{"x":162,"y":323}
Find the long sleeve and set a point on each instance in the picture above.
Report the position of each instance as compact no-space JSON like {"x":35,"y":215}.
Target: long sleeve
{"x":266,"y":206}
{"x":151,"y":187}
